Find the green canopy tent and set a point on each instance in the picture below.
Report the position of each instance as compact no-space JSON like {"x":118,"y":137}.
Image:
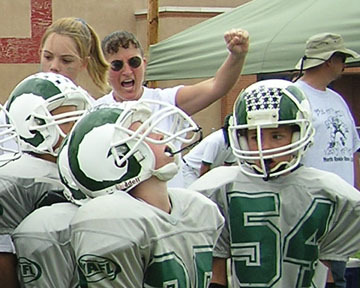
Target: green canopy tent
{"x":278,"y":32}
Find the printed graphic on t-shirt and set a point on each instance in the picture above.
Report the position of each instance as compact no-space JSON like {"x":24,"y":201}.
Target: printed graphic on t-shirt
{"x":338,"y":145}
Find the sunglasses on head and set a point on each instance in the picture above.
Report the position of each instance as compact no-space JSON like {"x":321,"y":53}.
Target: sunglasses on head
{"x":134,"y":62}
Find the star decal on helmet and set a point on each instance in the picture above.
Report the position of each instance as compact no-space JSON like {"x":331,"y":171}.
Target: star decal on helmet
{"x":263,"y":99}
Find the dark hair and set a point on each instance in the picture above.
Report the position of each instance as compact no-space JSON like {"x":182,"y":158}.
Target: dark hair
{"x":225,"y":129}
{"x":119,"y":39}
{"x":341,"y":55}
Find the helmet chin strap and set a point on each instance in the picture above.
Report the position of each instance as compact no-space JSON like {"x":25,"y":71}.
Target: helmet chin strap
{"x":168,"y":171}
{"x":267,"y":163}
{"x":268,"y":171}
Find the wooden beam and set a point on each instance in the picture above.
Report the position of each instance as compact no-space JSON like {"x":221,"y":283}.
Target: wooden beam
{"x":152,"y":28}
{"x":153,"y":22}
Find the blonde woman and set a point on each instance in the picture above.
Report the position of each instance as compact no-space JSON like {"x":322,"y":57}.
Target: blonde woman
{"x":70,"y":46}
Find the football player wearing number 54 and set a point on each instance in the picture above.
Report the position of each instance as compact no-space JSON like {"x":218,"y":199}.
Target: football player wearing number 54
{"x":284,"y":221}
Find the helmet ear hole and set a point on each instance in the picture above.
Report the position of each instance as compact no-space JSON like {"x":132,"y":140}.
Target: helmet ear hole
{"x":242,"y":137}
{"x":295,"y":136}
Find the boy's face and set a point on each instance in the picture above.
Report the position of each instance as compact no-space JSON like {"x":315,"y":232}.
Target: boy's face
{"x":271,"y":138}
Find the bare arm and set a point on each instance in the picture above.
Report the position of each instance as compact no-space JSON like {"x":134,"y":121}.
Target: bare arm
{"x":219,"y":271}
{"x":330,"y":278}
{"x":196,"y":97}
{"x":356,"y":170}
{"x":204,"y":168}
{"x":8,"y":276}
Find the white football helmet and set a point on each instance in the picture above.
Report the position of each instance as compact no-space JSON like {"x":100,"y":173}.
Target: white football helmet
{"x":105,"y":155}
{"x":268,"y":104}
{"x":30,"y":106}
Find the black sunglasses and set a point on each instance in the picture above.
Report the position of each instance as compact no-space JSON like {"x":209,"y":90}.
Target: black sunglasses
{"x":134,"y":62}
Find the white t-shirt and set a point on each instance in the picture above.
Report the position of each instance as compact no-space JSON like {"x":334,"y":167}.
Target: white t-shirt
{"x":167,"y":95}
{"x":336,"y":139}
{"x":211,"y":150}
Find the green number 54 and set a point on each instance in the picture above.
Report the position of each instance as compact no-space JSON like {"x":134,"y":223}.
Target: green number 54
{"x":257,"y":247}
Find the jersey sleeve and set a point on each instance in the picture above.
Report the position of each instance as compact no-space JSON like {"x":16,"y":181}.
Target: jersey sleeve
{"x":6,"y":244}
{"x":343,"y":239}
{"x":213,"y":185}
{"x":43,"y":249}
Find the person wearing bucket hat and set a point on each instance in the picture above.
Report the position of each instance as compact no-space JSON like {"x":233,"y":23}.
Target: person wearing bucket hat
{"x":320,"y":48}
{"x":336,"y":139}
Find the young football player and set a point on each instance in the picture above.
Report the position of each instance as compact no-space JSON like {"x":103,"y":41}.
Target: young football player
{"x":42,"y":239}
{"x":139,"y":233}
{"x":43,"y":107}
{"x":283,"y":220}
{"x":11,"y":152}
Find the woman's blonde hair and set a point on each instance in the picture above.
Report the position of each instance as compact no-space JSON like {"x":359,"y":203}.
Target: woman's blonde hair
{"x":88,"y":46}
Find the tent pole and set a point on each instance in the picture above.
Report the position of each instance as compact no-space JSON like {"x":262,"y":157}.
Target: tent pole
{"x":152,"y":29}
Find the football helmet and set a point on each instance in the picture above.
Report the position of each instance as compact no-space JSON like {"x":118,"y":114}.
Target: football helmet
{"x":268,"y":104}
{"x":105,"y":155}
{"x":71,"y":191}
{"x":9,"y":138}
{"x":30,"y":106}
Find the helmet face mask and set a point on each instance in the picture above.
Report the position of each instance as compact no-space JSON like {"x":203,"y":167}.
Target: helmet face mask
{"x":31,"y":105}
{"x":270,"y":104}
{"x":9,"y":139}
{"x":124,"y":155}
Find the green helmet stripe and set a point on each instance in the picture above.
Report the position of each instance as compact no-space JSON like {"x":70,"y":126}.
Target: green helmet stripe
{"x":288,"y":109}
{"x":84,"y":126}
{"x":36,"y":86}
{"x":93,"y":120}
{"x":241,"y":117}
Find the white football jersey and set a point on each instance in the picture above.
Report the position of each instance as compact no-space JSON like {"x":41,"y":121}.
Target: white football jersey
{"x":276,"y":230}
{"x":22,"y":188}
{"x":120,"y":241}
{"x":42,"y":243}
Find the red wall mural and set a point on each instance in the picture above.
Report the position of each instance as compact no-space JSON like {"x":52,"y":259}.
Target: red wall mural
{"x":26,"y":50}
